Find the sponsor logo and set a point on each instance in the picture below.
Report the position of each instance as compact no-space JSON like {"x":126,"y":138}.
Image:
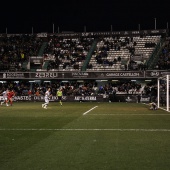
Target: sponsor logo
{"x":89,"y":98}
{"x":46,"y":75}
{"x":154,"y":74}
{"x":13,"y":75}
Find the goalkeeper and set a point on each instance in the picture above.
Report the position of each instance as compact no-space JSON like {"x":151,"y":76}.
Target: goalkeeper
{"x":59,"y":96}
{"x":153,"y":106}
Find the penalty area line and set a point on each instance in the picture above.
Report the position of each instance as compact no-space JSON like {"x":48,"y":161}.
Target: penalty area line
{"x":89,"y":110}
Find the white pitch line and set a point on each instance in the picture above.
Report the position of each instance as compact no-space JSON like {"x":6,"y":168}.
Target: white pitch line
{"x":129,"y":114}
{"x":90,"y":110}
{"x":144,"y":130}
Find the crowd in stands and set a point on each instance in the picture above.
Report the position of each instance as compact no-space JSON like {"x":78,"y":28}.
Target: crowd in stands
{"x":123,"y":53}
{"x":163,"y":62}
{"x":14,"y":50}
{"x":86,"y":88}
{"x":69,"y":53}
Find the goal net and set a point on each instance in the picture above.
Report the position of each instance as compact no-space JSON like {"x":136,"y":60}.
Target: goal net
{"x":163,"y":92}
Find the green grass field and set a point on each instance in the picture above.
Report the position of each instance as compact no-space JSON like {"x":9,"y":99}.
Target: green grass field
{"x":84,"y":136}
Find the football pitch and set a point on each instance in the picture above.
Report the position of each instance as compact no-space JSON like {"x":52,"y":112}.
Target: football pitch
{"x":84,"y":136}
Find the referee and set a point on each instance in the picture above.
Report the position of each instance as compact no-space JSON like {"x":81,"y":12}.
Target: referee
{"x":59,"y":96}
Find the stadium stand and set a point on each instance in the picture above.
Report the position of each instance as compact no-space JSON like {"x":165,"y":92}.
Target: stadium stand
{"x":123,"y":53}
{"x":91,"y":54}
{"x":80,"y":53}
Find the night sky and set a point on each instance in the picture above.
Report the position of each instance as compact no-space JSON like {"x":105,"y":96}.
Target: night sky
{"x":80,"y":15}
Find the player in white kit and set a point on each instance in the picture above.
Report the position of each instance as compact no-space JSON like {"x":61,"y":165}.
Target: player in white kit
{"x":5,"y":98}
{"x":46,"y":98}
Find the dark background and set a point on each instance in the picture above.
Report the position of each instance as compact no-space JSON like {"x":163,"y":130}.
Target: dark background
{"x":79,"y":15}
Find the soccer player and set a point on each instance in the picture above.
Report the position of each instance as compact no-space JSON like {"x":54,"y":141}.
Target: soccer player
{"x":153,"y":106}
{"x":5,"y":97}
{"x":59,"y":96}
{"x":10,"y":95}
{"x":46,"y":98}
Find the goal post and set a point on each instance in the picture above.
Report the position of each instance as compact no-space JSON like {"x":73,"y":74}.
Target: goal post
{"x":163,"y":92}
